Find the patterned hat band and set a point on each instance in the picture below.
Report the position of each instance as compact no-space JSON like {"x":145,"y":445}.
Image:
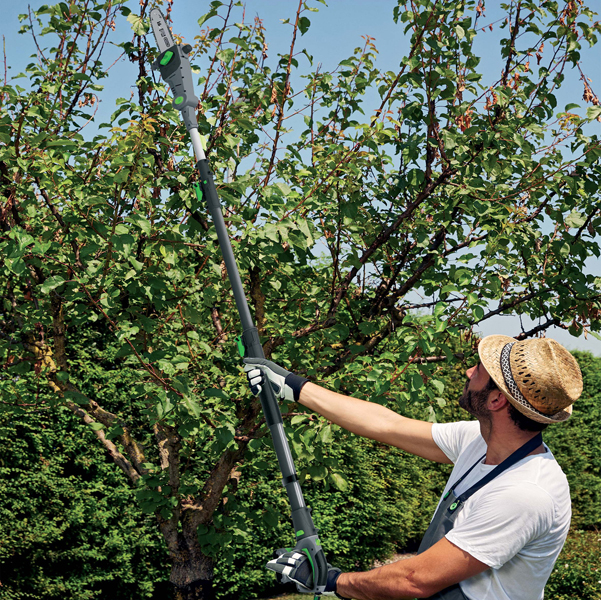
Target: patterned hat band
{"x":512,"y":386}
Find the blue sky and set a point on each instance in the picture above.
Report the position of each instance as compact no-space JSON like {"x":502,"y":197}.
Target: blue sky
{"x":335,"y":32}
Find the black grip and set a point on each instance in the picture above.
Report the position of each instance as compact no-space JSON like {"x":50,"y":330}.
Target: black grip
{"x":207,"y":185}
{"x":269,"y":404}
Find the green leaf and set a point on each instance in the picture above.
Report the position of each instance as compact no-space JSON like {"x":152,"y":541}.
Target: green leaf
{"x":317,"y":472}
{"x":439,"y":385}
{"x":20,"y":368}
{"x":339,"y":481}
{"x":239,"y":42}
{"x":575,"y":219}
{"x":303,"y":25}
{"x":77,"y":397}
{"x":417,"y":381}
{"x":96,"y":426}
{"x":326,"y":434}
{"x":593,"y":112}
{"x":137,"y":265}
{"x":138,"y":25}
{"x":284,"y":188}
{"x":51,"y":283}
{"x":63,"y":143}
{"x":215,"y":393}
{"x":214,"y":8}
{"x":141,"y":222}
{"x":193,"y":315}
{"x":193,"y":406}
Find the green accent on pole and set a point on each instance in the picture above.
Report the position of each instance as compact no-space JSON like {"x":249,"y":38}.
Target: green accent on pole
{"x":205,"y":182}
{"x":166,"y":57}
{"x":446,"y":495}
{"x":198,"y":191}
{"x":311,"y":561}
{"x":240,"y":347}
{"x":289,"y":549}
{"x":179,"y":99}
{"x":453,"y":506}
{"x":299,"y":533}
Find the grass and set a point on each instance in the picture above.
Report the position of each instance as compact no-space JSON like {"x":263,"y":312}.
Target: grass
{"x":290,"y":597}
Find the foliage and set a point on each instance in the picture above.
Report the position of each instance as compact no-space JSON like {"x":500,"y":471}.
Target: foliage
{"x":63,"y":506}
{"x":576,"y":573}
{"x":577,"y":447}
{"x":69,"y":525}
{"x":477,"y":207}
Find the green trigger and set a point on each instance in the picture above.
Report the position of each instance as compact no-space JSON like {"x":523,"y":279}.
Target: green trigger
{"x":198,"y":191}
{"x":166,"y":57}
{"x":241,"y":349}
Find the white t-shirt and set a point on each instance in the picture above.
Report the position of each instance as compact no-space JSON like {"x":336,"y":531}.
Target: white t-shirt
{"x":516,"y":524}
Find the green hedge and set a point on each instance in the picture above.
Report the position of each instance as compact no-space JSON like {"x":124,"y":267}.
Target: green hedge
{"x":577,"y":446}
{"x":70,"y":527}
{"x":577,"y":572}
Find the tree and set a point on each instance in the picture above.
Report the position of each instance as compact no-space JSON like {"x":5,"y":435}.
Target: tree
{"x":454,"y":186}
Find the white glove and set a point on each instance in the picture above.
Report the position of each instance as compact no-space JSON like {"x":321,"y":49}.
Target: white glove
{"x":294,"y":566}
{"x":285,"y":384}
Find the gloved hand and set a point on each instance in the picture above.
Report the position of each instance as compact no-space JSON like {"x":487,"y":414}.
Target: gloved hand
{"x":295,"y":566}
{"x":285,"y":384}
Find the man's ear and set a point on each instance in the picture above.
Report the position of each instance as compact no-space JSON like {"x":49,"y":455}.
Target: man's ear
{"x":497,"y":400}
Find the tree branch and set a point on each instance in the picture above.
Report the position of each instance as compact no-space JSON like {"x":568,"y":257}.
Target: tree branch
{"x":117,"y":457}
{"x":539,"y":328}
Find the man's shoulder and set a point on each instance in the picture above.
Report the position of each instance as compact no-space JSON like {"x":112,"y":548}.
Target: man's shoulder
{"x":535,"y":485}
{"x":455,"y":438}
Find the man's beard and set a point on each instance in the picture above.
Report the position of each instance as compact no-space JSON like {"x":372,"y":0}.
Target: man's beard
{"x":475,"y":402}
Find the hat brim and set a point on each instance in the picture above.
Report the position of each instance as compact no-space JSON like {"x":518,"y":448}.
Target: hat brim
{"x":489,"y":350}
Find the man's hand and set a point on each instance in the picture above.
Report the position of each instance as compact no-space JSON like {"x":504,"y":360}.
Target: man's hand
{"x":295,"y":566}
{"x":285,"y":384}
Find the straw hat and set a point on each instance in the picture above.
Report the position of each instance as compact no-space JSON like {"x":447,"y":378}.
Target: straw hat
{"x":538,"y":376}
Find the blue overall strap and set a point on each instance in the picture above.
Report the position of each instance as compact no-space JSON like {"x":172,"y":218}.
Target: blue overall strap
{"x":511,"y":460}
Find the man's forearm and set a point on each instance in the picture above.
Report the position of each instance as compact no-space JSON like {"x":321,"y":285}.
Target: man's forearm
{"x":390,"y":582}
{"x":421,"y":576}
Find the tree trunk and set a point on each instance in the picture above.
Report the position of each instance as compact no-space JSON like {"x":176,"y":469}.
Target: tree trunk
{"x":191,"y":571}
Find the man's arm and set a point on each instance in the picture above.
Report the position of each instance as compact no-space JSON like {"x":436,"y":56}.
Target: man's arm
{"x":440,"y":566}
{"x":374,"y":421}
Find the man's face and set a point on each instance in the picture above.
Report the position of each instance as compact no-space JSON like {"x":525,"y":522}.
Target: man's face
{"x":476,"y":392}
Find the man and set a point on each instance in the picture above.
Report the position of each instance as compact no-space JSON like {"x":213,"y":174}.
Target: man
{"x":505,"y":512}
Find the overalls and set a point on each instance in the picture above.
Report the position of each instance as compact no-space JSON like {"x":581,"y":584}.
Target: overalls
{"x":451,"y":506}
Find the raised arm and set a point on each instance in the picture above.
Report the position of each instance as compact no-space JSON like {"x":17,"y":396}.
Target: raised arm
{"x":366,"y":419}
{"x":373,"y":421}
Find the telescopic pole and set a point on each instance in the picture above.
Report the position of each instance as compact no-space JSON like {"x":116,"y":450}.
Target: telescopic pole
{"x":174,"y":66}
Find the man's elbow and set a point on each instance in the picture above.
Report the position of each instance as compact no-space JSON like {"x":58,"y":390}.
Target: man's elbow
{"x":419,"y":585}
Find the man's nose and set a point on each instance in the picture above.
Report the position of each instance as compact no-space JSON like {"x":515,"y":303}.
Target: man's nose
{"x":470,"y":372}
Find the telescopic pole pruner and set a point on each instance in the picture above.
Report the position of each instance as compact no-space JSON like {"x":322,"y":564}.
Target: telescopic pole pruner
{"x":174,"y":67}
